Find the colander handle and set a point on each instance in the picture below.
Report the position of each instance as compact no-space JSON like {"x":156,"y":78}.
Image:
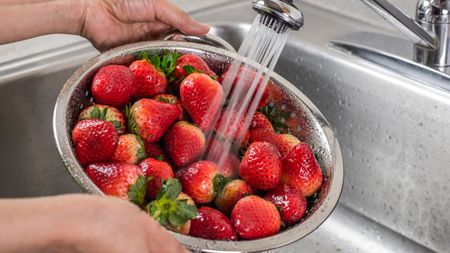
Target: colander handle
{"x":207,"y":39}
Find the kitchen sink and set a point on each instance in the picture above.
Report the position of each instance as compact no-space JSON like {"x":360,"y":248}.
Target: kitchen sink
{"x":391,"y":128}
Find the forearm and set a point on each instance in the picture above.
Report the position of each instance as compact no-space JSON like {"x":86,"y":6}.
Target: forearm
{"x":23,"y":19}
{"x":30,"y":225}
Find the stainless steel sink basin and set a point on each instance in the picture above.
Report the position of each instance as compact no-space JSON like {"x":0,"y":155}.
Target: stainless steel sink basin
{"x":393,"y":130}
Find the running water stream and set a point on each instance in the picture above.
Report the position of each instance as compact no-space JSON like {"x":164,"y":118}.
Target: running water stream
{"x":244,"y":89}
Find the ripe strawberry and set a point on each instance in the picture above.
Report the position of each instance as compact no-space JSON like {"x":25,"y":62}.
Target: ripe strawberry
{"x":186,"y":228}
{"x":261,"y":121}
{"x":171,"y":99}
{"x":154,"y":150}
{"x":95,"y":140}
{"x":150,"y":118}
{"x":195,"y":62}
{"x":291,"y":202}
{"x":301,"y":170}
{"x":231,"y":193}
{"x":263,"y":134}
{"x":115,"y":179}
{"x":105,"y":112}
{"x":231,"y":127}
{"x":149,"y":80}
{"x":200,"y":181}
{"x":230,"y":166}
{"x":172,"y":210}
{"x":184,"y":143}
{"x":285,"y":143}
{"x":113,"y":85}
{"x":158,"y":171}
{"x":130,"y":149}
{"x":202,"y":98}
{"x":245,"y":77}
{"x":212,"y":224}
{"x":261,"y":167}
{"x":254,"y":217}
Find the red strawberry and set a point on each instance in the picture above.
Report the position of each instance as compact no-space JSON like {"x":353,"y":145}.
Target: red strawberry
{"x":263,"y":134}
{"x":202,"y":98}
{"x":158,"y":171}
{"x":230,"y":166}
{"x":114,"y":179}
{"x":200,"y":181}
{"x":95,"y":140}
{"x":184,"y":143}
{"x":212,"y":224}
{"x":130,"y":149}
{"x":224,"y":127}
{"x":195,"y":62}
{"x":261,"y":121}
{"x":286,"y":142}
{"x":245,"y":77}
{"x":113,"y":85}
{"x":261,"y":167}
{"x":291,"y":202}
{"x":231,"y":193}
{"x":254,"y":217}
{"x":171,"y":99}
{"x":301,"y":170}
{"x":154,"y":150}
{"x":105,"y":112}
{"x":149,"y":80}
{"x":150,"y":118}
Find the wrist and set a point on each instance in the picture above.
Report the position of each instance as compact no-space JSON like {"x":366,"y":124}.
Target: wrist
{"x":73,"y":14}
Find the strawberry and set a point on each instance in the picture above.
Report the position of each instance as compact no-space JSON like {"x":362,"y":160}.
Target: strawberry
{"x":105,"y":112}
{"x":158,"y":171}
{"x":231,"y":193}
{"x":263,"y":134}
{"x":286,"y":142}
{"x":154,"y":150}
{"x":254,"y":217}
{"x":261,"y":167}
{"x":191,"y":63}
{"x":122,"y":180}
{"x":171,"y":99}
{"x":170,"y":209}
{"x":149,"y":80}
{"x":202,"y":98}
{"x":184,"y":143}
{"x":291,"y":202}
{"x":150,"y":118}
{"x":95,"y":140}
{"x":230,"y":166}
{"x":301,"y":170}
{"x":224,"y":127}
{"x":213,"y":225}
{"x":245,"y":77}
{"x":113,"y":85}
{"x":186,"y":228}
{"x":200,"y":181}
{"x":130,"y":149}
{"x":260,"y":120}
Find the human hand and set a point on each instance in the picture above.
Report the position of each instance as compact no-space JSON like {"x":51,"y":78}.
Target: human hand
{"x":82,"y":224}
{"x":109,"y":23}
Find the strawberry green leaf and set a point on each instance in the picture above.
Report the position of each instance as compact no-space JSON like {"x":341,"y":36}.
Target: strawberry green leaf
{"x":141,"y":150}
{"x":177,"y":219}
{"x":190,"y":70}
{"x":137,"y":191}
{"x":144,"y":56}
{"x":213,"y":78}
{"x":130,"y":118}
{"x":103,"y":113}
{"x":116,"y":124}
{"x":95,"y":113}
{"x":156,"y":61}
{"x":166,"y":100}
{"x":219,"y":182}
{"x":172,"y":188}
{"x":276,"y":117}
{"x":160,"y":157}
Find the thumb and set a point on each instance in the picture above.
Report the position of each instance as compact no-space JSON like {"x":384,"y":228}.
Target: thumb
{"x":170,"y":14}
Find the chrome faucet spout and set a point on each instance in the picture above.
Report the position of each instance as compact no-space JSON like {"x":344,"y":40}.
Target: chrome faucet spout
{"x":430,"y":29}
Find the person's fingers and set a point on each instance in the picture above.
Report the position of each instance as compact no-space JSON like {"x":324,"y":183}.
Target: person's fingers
{"x":161,"y":240}
{"x":177,"y":18}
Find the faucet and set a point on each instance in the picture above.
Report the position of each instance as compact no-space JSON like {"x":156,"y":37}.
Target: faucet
{"x":430,"y":30}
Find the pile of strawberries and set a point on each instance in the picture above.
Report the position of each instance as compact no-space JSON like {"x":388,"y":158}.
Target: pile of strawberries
{"x":144,"y":140}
